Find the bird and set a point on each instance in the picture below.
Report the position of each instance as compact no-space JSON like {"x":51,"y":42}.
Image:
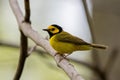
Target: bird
{"x":66,"y":43}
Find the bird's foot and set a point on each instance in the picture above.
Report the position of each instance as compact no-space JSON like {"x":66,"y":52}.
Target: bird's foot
{"x":63,"y":56}
{"x":60,"y":58}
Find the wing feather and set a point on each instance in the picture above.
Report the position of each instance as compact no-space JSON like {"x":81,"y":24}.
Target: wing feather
{"x":66,"y":37}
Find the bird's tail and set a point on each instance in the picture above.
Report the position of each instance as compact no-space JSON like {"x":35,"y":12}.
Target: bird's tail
{"x":99,"y":46}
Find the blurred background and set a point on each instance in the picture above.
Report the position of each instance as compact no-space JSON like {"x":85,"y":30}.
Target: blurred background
{"x":92,"y":20}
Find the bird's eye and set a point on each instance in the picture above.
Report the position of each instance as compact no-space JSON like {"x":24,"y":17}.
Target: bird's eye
{"x":52,"y":29}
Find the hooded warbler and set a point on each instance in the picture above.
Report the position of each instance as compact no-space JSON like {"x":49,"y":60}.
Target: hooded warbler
{"x":65,"y":43}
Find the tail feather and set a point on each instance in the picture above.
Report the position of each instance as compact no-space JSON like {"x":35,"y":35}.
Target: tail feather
{"x":99,"y":46}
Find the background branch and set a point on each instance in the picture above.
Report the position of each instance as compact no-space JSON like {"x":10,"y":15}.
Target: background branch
{"x":112,"y":59}
{"x":94,"y":55}
{"x":89,"y":18}
{"x":40,"y":41}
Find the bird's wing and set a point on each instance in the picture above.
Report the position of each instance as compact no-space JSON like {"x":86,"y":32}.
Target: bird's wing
{"x":66,"y":37}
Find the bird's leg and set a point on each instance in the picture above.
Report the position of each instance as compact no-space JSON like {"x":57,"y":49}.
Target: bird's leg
{"x":63,"y":57}
{"x":56,"y":54}
{"x":60,"y":58}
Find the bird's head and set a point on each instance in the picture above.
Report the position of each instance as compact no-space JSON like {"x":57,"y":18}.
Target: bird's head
{"x":53,"y":29}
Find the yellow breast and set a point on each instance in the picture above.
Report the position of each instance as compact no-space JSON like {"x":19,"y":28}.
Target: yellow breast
{"x":61,"y":47}
{"x":65,"y":47}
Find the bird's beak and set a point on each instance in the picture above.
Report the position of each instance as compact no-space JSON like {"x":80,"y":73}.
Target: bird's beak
{"x":45,"y":29}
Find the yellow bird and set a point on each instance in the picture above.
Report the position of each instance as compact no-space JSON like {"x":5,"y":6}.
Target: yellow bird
{"x":65,"y":43}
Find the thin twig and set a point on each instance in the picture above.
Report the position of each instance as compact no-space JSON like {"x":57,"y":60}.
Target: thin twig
{"x":31,"y":50}
{"x":40,"y":41}
{"x":7,"y":44}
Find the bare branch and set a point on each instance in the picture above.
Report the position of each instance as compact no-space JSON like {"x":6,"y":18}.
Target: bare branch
{"x":31,"y":50}
{"x":40,"y":41}
{"x":112,"y":58}
{"x":89,"y":18}
{"x":23,"y":45}
{"x":27,"y":11}
{"x":23,"y":55}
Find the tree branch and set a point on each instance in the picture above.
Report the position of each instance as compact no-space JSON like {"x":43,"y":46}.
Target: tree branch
{"x":40,"y":41}
{"x":112,"y":58}
{"x":23,"y":55}
{"x":27,"y":11}
{"x":89,"y":18}
{"x":23,"y":45}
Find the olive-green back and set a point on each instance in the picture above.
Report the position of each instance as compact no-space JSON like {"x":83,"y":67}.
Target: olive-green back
{"x":66,"y":37}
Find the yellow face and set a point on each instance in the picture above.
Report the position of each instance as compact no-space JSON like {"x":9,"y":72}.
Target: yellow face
{"x":53,"y":29}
